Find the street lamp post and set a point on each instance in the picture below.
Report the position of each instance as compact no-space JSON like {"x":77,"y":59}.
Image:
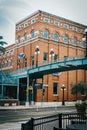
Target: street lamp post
{"x":63,"y":88}
{"x":37,"y":51}
{"x":85,"y":39}
{"x":51,"y":53}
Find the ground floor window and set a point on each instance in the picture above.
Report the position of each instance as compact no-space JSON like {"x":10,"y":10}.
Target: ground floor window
{"x":55,"y":88}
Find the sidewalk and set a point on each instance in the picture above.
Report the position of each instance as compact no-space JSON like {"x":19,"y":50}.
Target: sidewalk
{"x":37,"y":106}
{"x":11,"y":126}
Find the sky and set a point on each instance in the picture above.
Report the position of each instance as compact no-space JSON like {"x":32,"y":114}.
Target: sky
{"x":12,"y":11}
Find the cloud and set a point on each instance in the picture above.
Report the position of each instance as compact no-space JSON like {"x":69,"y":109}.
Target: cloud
{"x":11,"y":11}
{"x":14,"y":9}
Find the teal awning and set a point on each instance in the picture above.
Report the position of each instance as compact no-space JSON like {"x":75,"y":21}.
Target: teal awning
{"x":7,"y":79}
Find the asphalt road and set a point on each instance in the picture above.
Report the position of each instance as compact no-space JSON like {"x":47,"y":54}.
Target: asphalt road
{"x":11,"y":119}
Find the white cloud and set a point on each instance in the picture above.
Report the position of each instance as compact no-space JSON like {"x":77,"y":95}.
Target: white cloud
{"x":12,"y":11}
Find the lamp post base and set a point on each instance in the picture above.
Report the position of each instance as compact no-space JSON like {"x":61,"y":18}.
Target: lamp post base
{"x":27,"y":104}
{"x":63,"y":102}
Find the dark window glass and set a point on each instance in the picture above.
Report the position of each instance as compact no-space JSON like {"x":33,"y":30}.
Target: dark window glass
{"x":55,"y":57}
{"x":45,"y":56}
{"x":32,"y":60}
{"x":55,"y":88}
{"x":56,"y":37}
{"x":33,"y":34}
{"x":74,"y":41}
{"x":46,"y":34}
{"x":65,"y":39}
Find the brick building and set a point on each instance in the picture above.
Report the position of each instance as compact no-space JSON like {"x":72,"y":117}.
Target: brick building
{"x":50,"y":33}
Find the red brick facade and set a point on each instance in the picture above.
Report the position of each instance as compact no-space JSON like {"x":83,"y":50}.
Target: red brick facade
{"x":30,"y":32}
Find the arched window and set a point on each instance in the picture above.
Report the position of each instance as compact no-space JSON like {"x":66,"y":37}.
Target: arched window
{"x":74,"y":41}
{"x":65,"y":39}
{"x":7,"y":63}
{"x":56,"y":37}
{"x":32,"y":34}
{"x":19,"y":39}
{"x":26,"y":37}
{"x":45,"y":35}
{"x":82,"y":43}
{"x":11,"y":62}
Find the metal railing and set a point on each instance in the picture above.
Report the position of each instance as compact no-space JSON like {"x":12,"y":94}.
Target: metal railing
{"x":65,"y":58}
{"x":58,"y":121}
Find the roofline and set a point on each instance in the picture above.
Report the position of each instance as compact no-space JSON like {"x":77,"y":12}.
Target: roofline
{"x":28,"y":17}
{"x":65,"y":19}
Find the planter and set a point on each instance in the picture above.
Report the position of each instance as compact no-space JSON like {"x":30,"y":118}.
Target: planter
{"x":81,"y":110}
{"x":9,"y":102}
{"x":81,"y":107}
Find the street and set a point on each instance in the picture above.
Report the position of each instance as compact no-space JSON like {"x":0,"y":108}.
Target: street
{"x":13,"y":118}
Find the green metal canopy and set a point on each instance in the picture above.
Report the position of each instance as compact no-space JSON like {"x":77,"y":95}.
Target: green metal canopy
{"x":7,"y":79}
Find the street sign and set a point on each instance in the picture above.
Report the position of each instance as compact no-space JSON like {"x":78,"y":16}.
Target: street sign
{"x":38,"y":86}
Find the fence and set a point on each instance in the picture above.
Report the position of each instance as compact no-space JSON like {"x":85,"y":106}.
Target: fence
{"x":58,"y":120}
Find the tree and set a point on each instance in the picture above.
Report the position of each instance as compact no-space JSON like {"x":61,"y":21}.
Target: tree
{"x":79,"y":87}
{"x":2,"y":43}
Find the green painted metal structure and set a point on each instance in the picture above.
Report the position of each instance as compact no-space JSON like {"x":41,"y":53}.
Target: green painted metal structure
{"x":65,"y":64}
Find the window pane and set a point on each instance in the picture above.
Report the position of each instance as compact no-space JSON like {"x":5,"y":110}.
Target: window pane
{"x":45,"y":56}
{"x":56,"y":23}
{"x":66,"y":26}
{"x":74,"y":29}
{"x":55,"y":88}
{"x":82,"y":43}
{"x":33,"y":34}
{"x":55,"y":57}
{"x":56,"y":37}
{"x":19,"y":39}
{"x":46,"y":34}
{"x":32,"y":60}
{"x":65,"y":39}
{"x":26,"y":37}
{"x":46,"y":20}
{"x":74,"y":41}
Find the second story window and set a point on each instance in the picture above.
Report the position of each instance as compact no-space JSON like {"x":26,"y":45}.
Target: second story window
{"x":65,"y":39}
{"x":32,"y":34}
{"x":26,"y":37}
{"x":45,"y":56}
{"x":19,"y":39}
{"x":55,"y":37}
{"x":82,"y":43}
{"x":45,"y":34}
{"x":11,"y":62}
{"x":55,"y":57}
{"x":74,"y":41}
{"x":7,"y":63}
{"x":32,"y":60}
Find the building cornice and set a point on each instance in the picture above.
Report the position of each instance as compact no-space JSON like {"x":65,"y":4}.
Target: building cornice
{"x":52,"y":15}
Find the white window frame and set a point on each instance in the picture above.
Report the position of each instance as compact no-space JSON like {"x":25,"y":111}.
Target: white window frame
{"x":66,"y":26}
{"x":46,"y":20}
{"x":56,"y":23}
{"x":33,"y":20}
{"x":74,"y":28}
{"x":25,"y":24}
